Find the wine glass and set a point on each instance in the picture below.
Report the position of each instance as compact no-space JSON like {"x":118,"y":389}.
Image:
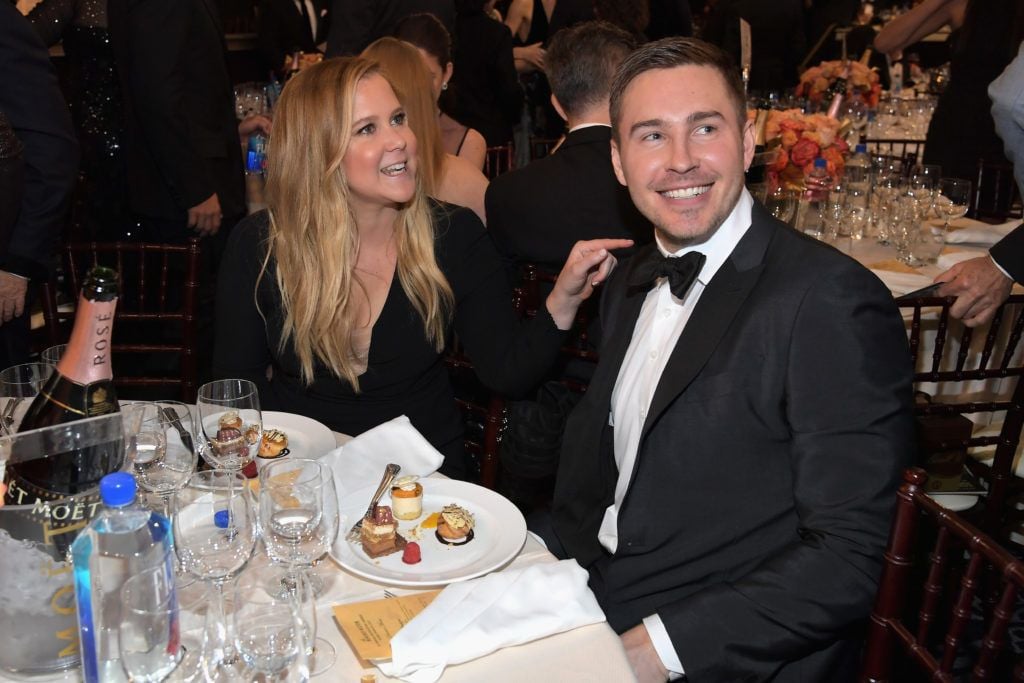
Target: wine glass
{"x":214,"y":535}
{"x":18,"y":383}
{"x":271,"y":633}
{"x":924,"y":181}
{"x":53,"y":354}
{"x":149,"y":636}
{"x":782,"y":203}
{"x":162,"y":452}
{"x":298,"y":515}
{"x":953,"y":200}
{"x":231,"y":422}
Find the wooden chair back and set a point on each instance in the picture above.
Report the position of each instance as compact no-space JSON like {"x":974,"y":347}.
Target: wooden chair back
{"x":159,"y":295}
{"x":499,"y":159}
{"x":996,"y":196}
{"x":958,"y":356}
{"x":929,"y":631}
{"x":909,"y":151}
{"x":483,"y":416}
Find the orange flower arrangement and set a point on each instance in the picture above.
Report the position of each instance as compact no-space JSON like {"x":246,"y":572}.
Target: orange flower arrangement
{"x":862,"y":82}
{"x":798,"y":139}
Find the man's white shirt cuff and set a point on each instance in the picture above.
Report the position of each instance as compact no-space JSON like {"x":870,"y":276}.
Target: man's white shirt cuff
{"x":663,"y":646}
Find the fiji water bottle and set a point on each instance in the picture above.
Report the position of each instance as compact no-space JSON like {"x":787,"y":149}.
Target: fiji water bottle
{"x":817,"y":183}
{"x":256,"y":154}
{"x":858,"y":168}
{"x":121,"y":541}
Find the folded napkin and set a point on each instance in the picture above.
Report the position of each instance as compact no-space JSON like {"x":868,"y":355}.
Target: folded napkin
{"x":901,"y":283}
{"x":474,"y":618}
{"x":981,"y":233}
{"x":360,"y":463}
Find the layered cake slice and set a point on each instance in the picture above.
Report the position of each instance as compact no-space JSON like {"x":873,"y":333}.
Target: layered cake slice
{"x":379,"y":533}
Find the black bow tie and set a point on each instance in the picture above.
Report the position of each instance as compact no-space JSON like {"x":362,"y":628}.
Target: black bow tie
{"x":681,"y":271}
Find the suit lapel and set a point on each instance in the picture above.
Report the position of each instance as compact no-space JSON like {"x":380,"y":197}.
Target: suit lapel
{"x":214,"y":16}
{"x":712,"y":316}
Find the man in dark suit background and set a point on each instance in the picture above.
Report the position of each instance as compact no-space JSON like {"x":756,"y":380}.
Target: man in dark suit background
{"x":37,"y":184}
{"x":357,"y":23}
{"x":537,"y":213}
{"x":289,"y":25}
{"x":777,"y":38}
{"x":729,"y":475}
{"x":181,"y":137}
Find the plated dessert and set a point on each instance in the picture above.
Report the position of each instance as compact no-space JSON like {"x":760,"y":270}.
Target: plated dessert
{"x":274,"y":444}
{"x":379,"y":535}
{"x":407,"y":498}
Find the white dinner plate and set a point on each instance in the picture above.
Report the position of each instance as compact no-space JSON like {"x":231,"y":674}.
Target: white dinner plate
{"x":499,"y":534}
{"x":307,"y":438}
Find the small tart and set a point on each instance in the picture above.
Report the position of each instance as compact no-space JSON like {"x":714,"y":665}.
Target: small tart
{"x":456,"y":523}
{"x":273,"y":443}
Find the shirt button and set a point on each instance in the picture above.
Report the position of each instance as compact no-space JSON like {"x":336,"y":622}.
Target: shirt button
{"x":653,"y":354}
{"x":666,"y":313}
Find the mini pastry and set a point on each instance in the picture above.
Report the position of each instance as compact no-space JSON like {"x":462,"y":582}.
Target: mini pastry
{"x":230,"y":420}
{"x":273,"y":444}
{"x":455,"y":526}
{"x":378,"y":535}
{"x":407,"y":498}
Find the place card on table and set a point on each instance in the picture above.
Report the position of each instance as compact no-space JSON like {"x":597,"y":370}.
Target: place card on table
{"x":369,"y":626}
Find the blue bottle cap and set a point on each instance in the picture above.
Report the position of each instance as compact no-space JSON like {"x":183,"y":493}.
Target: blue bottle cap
{"x":117,"y":489}
{"x":222,"y":519}
{"x":820,"y":163}
{"x":861,"y":148}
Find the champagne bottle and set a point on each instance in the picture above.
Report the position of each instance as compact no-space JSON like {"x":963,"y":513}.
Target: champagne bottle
{"x":837,"y":91}
{"x":81,"y":386}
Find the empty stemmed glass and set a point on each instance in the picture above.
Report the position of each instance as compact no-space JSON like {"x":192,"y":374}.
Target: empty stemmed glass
{"x":231,"y":422}
{"x":271,"y":630}
{"x":924,"y":182}
{"x":953,"y":199}
{"x":17,"y":383}
{"x":149,"y":633}
{"x":214,"y":535}
{"x":162,"y":451}
{"x":299,"y":520}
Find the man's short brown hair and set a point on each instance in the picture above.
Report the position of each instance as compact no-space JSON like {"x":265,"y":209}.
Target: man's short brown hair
{"x":669,"y":53}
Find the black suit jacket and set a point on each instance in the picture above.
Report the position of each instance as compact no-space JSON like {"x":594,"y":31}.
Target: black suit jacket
{"x":181,"y":136}
{"x":1008,"y":253}
{"x":759,"y":505}
{"x":282,"y":30}
{"x":41,"y":187}
{"x":777,"y":38}
{"x":536,"y":214}
{"x":357,"y":23}
{"x":486,"y":87}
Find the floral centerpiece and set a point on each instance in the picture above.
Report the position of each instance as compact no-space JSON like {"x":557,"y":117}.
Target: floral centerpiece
{"x":798,"y":139}
{"x":861,"y":82}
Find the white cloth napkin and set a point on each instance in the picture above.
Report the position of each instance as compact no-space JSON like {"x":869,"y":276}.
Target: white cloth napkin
{"x":474,"y":618}
{"x":902,"y":283}
{"x":981,"y":233}
{"x":360,"y":463}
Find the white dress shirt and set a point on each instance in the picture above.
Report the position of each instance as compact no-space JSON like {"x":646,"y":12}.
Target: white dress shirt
{"x":661,"y":321}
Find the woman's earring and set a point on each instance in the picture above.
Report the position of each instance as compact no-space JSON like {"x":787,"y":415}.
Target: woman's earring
{"x":444,"y":85}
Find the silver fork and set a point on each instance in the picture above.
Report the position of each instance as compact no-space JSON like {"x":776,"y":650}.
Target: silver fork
{"x":389,"y":475}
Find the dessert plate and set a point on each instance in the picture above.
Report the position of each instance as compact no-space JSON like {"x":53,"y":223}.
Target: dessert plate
{"x":307,"y":438}
{"x":498,"y":535}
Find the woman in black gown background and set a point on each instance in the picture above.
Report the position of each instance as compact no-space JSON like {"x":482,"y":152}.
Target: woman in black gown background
{"x":100,"y":207}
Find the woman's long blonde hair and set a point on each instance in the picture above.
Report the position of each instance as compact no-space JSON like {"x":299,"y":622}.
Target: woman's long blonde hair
{"x":314,"y":240}
{"x":408,"y":75}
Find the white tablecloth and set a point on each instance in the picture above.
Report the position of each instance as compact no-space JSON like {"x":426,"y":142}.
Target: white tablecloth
{"x":591,"y":653}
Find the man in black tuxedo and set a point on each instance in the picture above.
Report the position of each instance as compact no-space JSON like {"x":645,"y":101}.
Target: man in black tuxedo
{"x":289,"y":25}
{"x":181,"y":137}
{"x":36,"y":184}
{"x":357,"y":23}
{"x":728,"y":477}
{"x":536,"y":214}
